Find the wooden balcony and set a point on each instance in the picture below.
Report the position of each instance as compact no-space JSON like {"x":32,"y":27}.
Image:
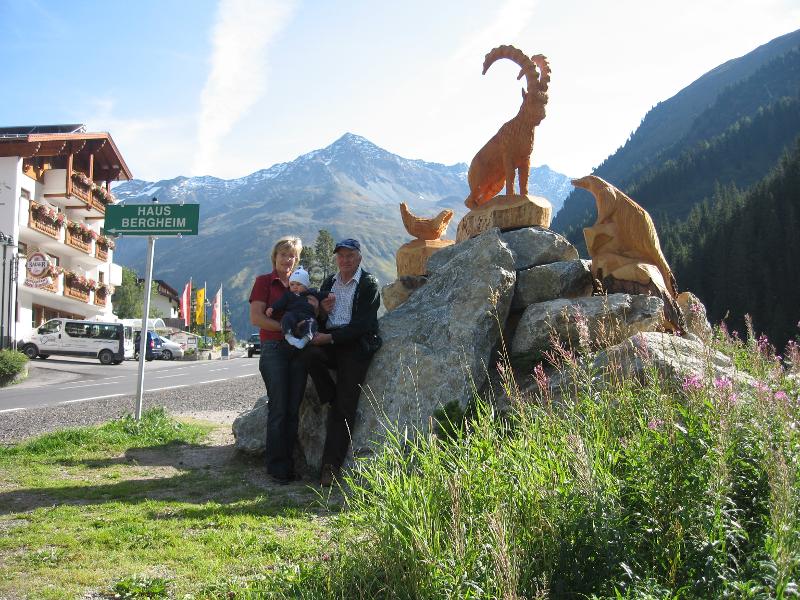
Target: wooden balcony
{"x":83,"y":193}
{"x":100,"y":252}
{"x":42,"y":224}
{"x":101,"y":198}
{"x":78,"y":242}
{"x":53,"y":287}
{"x":75,"y":292}
{"x":100,"y":300}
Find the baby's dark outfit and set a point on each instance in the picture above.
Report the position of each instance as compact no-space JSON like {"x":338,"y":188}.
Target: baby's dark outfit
{"x":299,"y":317}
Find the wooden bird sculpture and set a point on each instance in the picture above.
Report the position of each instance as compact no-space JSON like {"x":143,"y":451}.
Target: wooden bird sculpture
{"x":425,"y":229}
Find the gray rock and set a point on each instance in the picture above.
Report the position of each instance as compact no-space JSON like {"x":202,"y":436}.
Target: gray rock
{"x":673,"y":357}
{"x":563,"y":279}
{"x":534,"y":246}
{"x":608,"y":319}
{"x":249,"y":428}
{"x":694,"y":315}
{"x":530,"y":246}
{"x":249,"y":431}
{"x":436,"y":346}
{"x":647,"y":353}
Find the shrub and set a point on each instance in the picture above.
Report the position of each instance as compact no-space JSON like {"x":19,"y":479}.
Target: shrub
{"x":11,"y":364}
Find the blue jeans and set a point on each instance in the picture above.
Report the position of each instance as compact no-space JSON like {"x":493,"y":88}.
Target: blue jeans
{"x":284,"y":375}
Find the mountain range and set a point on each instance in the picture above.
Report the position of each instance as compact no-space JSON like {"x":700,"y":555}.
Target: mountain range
{"x":352,"y":188}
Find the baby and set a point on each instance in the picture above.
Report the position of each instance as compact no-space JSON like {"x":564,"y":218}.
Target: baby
{"x":300,"y":304}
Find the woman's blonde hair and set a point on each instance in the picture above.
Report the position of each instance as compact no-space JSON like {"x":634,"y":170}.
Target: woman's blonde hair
{"x":290,"y":243}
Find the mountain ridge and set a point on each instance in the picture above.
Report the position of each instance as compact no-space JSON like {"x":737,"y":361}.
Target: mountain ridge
{"x":351,"y":188}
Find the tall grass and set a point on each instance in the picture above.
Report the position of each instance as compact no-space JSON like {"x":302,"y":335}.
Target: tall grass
{"x":662,"y":489}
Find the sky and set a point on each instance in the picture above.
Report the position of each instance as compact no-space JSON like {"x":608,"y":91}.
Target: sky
{"x":228,"y":87}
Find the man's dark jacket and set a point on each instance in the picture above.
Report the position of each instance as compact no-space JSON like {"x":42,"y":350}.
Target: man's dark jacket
{"x":366,"y":302}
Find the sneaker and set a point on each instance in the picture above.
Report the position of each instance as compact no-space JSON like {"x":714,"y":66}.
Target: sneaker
{"x":328,"y":475}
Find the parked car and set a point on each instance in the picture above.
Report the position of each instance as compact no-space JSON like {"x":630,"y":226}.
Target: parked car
{"x":106,"y":342}
{"x":253,"y":345}
{"x":153,"y":348}
{"x":170,"y":349}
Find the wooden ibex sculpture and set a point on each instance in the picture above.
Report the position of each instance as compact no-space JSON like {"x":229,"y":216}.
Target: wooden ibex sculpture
{"x":511,"y":147}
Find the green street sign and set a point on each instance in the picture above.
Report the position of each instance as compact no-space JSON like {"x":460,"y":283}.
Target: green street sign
{"x":152,"y":219}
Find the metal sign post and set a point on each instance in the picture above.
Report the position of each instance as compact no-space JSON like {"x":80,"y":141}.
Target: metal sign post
{"x":151,"y":220}
{"x":151,"y":244}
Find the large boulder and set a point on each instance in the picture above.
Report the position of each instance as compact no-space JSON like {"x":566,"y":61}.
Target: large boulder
{"x":250,"y":427}
{"x":647,"y":353}
{"x":533,"y":246}
{"x":437,"y":345}
{"x":598,"y":321}
{"x":530,"y":246}
{"x":563,"y":279}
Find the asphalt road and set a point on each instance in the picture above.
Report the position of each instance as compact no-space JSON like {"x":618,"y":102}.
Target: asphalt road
{"x":68,"y":381}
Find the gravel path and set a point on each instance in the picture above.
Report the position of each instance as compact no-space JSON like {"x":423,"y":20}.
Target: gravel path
{"x":223,"y":398}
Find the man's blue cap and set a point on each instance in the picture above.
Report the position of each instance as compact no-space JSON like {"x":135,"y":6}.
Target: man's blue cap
{"x":348,"y":243}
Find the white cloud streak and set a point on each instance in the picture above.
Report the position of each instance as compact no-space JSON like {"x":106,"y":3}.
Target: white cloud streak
{"x":238,"y":75}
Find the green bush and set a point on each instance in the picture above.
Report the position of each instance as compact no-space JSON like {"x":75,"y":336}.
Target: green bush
{"x":11,"y":364}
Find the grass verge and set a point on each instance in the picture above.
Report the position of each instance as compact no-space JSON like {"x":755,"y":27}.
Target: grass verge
{"x":133,"y":508}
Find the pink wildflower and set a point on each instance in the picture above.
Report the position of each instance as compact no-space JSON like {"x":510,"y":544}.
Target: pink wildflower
{"x":692,"y":383}
{"x":541,"y":378}
{"x":762,"y":388}
{"x":654,"y":424}
{"x":781,"y":396}
{"x":723,"y":383}
{"x":582,"y":325}
{"x":763,"y":345}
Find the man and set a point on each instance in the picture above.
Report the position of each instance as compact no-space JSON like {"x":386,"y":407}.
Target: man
{"x":348,"y":314}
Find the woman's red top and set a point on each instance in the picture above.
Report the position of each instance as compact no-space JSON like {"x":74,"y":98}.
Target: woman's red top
{"x":269,"y":288}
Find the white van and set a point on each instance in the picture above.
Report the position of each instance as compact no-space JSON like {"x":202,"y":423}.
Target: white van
{"x":110,"y":343}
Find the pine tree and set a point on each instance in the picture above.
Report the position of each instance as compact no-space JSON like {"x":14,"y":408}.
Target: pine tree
{"x":323,"y":254}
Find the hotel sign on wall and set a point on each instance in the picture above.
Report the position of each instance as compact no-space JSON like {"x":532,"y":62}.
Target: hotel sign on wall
{"x":37,"y":268}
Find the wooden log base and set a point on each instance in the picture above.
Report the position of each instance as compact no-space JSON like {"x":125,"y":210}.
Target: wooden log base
{"x":412,"y":258}
{"x":506,"y":212}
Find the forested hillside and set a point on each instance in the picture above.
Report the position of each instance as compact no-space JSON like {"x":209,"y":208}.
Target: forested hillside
{"x":740,"y":252}
{"x":667,"y":164}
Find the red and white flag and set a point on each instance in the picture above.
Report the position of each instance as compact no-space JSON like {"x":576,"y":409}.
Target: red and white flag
{"x":186,"y":303}
{"x":216,"y":312}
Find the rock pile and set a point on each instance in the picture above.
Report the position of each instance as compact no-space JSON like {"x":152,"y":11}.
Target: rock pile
{"x":440,"y":344}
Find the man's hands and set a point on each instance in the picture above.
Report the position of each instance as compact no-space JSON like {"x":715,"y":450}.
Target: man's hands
{"x":327,"y":304}
{"x":269,"y":312}
{"x":321,"y":339}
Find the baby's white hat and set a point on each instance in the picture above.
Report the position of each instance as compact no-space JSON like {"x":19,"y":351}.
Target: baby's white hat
{"x":300,"y":275}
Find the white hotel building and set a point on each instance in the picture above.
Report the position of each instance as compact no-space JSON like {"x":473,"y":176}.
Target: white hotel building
{"x":54,"y":187}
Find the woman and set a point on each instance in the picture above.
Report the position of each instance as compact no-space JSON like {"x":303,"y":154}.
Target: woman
{"x":283,"y":372}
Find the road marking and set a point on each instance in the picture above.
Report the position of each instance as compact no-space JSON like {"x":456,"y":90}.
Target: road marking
{"x":211,"y":381}
{"x":170,"y":387}
{"x":90,"y":380}
{"x":246,"y":375}
{"x":75,"y":387}
{"x":5,"y":410}
{"x":92,"y":398}
{"x":168,"y":376}
{"x":222,"y":369}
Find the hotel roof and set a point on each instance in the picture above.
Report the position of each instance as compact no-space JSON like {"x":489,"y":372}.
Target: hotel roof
{"x":61,"y":140}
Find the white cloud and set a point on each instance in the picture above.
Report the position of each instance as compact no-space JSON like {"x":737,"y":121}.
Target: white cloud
{"x":238,"y":75}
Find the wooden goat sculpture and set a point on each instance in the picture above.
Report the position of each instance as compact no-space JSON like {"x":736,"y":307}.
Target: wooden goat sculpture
{"x":510,"y":148}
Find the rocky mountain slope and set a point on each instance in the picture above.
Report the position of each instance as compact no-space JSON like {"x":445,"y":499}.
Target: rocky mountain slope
{"x":352,"y":188}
